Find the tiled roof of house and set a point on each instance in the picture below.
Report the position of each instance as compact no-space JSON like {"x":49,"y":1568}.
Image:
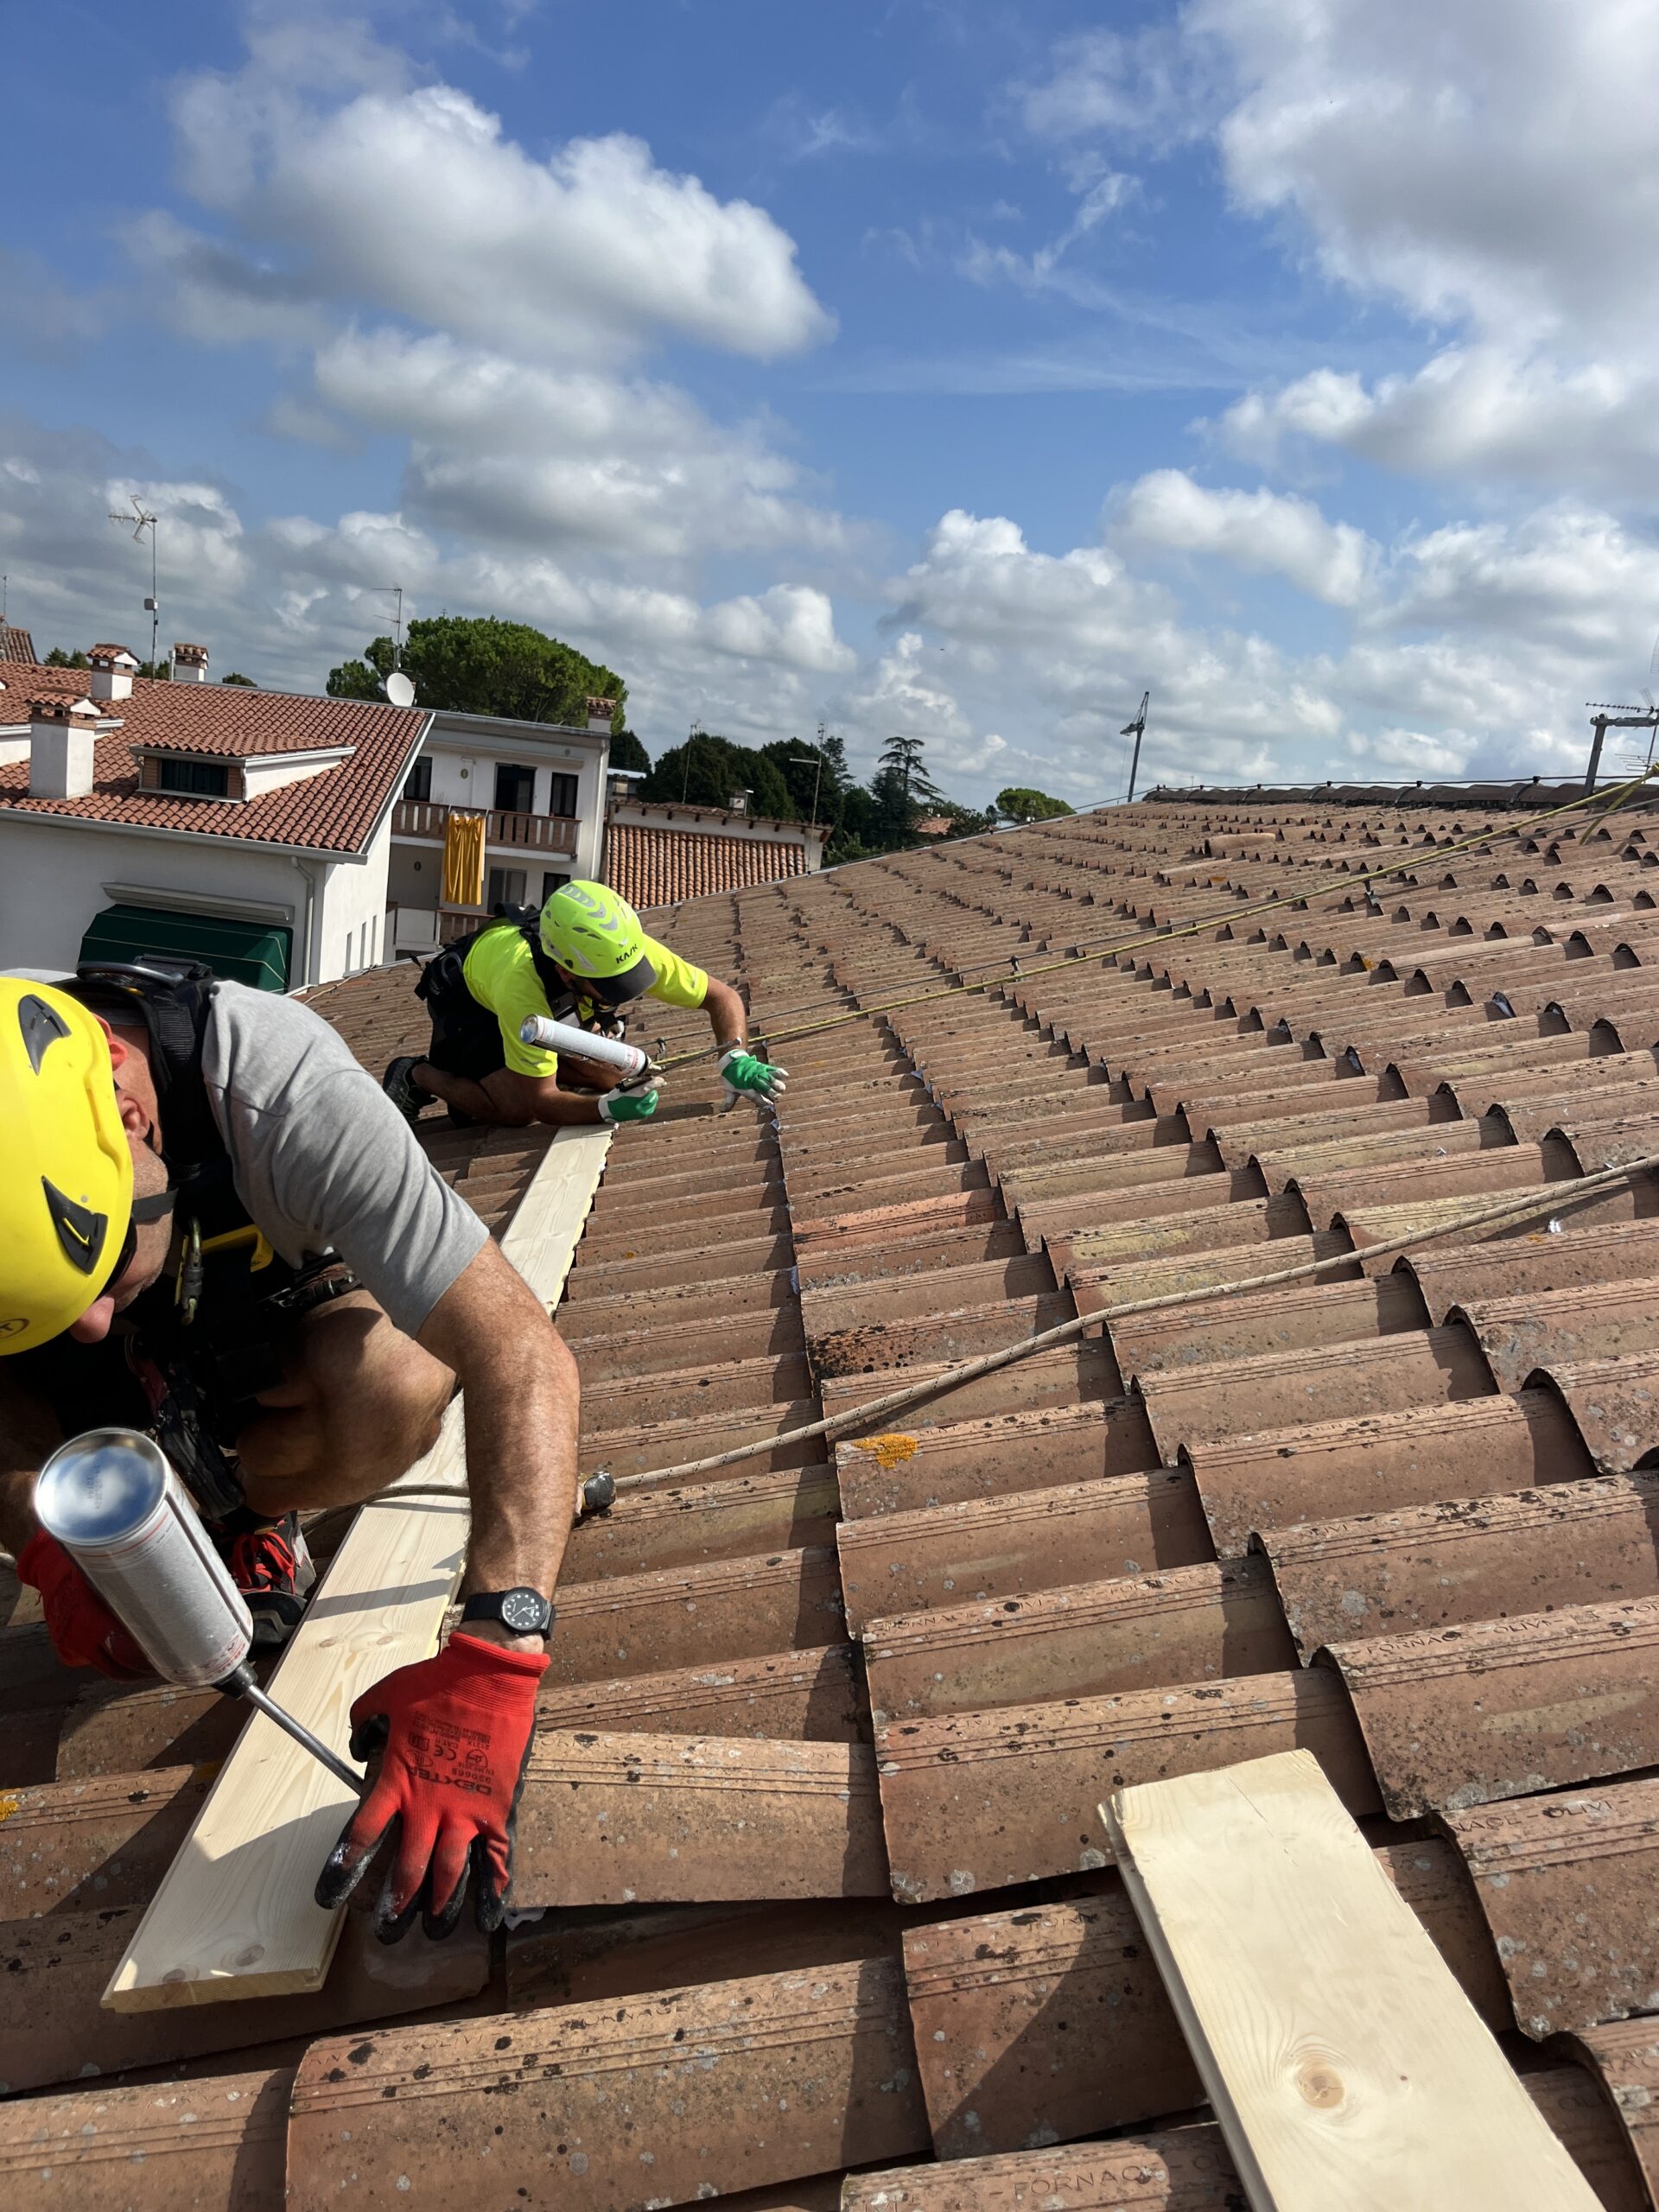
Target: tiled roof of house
{"x":333,"y":811}
{"x":659,"y":867}
{"x":15,"y":643}
{"x":824,"y":1731}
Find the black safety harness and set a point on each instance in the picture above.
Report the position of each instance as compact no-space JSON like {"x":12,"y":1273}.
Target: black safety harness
{"x":205,"y":1338}
{"x":443,"y":976}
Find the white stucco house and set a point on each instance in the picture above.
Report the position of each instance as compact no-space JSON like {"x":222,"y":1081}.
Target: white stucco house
{"x":251,"y":828}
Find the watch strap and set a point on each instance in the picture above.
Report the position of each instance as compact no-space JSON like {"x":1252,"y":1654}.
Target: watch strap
{"x":490,"y":1606}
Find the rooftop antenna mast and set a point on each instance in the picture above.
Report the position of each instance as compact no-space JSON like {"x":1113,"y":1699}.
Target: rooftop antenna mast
{"x":399,"y":690}
{"x":1137,"y":730}
{"x":146,"y":521}
{"x":395,"y":591}
{"x":692,"y":735}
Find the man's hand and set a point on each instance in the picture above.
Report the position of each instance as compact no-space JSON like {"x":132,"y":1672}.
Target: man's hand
{"x":453,"y":1734}
{"x":628,"y":1105}
{"x":83,"y":1629}
{"x":746,"y":1076}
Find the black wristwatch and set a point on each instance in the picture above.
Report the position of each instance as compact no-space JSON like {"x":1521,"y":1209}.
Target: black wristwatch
{"x":525,"y":1612}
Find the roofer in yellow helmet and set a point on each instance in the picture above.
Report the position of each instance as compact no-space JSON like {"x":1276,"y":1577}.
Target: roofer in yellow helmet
{"x":587,"y":956}
{"x":68,"y":1219}
{"x":215,"y":1229}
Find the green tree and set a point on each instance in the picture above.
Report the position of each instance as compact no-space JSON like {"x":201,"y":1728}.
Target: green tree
{"x":813,"y":771}
{"x":478,"y":664}
{"x":706,"y":769}
{"x":626,"y":752}
{"x":1024,"y":804}
{"x":58,"y":658}
{"x":901,"y":757}
{"x":969,"y":821}
{"x":237,"y":676}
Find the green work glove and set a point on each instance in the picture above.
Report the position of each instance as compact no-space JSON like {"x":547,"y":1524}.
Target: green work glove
{"x":745,"y":1077}
{"x":628,"y":1105}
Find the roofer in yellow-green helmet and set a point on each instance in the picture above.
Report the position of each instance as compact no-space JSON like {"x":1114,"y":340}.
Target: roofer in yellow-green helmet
{"x":215,"y":1230}
{"x":585,"y":958}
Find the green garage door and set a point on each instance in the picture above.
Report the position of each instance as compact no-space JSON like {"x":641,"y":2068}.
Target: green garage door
{"x":246,"y":952}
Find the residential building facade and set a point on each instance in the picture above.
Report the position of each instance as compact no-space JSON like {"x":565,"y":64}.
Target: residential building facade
{"x":251,"y":828}
{"x":540,"y":787}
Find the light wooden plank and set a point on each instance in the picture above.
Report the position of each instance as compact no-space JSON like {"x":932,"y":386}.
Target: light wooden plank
{"x":234,"y":1916}
{"x":1344,"y":2064}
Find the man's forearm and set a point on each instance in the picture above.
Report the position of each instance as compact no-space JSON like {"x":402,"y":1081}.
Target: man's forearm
{"x":728,"y":1016}
{"x":520,"y":1403}
{"x":520,"y":1414}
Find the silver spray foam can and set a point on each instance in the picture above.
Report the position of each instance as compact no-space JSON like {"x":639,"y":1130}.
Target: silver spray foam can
{"x":113,"y":1502}
{"x":563,"y":1037}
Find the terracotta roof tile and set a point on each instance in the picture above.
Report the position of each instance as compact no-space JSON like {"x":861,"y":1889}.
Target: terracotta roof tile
{"x":659,"y":867}
{"x":1133,"y":1552}
{"x":334,"y":812}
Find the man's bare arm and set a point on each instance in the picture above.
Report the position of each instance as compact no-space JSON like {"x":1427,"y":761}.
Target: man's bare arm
{"x":520,"y":1404}
{"x":728,"y":1017}
{"x":506,"y":1099}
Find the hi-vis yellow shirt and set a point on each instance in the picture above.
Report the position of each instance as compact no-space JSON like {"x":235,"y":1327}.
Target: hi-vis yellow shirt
{"x":501,"y":975}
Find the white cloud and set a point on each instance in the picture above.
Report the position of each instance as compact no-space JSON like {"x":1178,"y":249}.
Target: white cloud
{"x":1260,"y":531}
{"x":1566,"y":580}
{"x":1491,"y":160}
{"x":1475,"y":413}
{"x":566,"y":457}
{"x":414,"y":199}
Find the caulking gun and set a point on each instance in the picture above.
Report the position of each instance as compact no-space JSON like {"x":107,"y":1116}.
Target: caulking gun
{"x":113,"y":1502}
{"x":631,"y":1064}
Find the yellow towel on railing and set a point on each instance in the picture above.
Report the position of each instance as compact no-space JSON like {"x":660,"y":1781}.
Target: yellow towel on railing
{"x":463,"y":860}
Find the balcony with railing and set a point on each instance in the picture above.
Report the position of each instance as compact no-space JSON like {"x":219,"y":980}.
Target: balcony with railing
{"x":425,"y":820}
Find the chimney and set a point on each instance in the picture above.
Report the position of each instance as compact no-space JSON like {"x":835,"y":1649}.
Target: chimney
{"x":113,"y":669}
{"x":61,"y":747}
{"x":599,"y":716}
{"x":189,"y":664}
{"x":741,"y":802}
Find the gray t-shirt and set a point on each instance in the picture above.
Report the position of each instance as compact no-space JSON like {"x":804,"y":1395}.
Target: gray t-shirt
{"x":324,"y":1161}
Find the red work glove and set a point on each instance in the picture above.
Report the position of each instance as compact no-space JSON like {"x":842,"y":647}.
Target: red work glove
{"x":83,"y":1629}
{"x":453,"y":1734}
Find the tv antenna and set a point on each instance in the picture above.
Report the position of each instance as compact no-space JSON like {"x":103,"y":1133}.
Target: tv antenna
{"x":1137,"y":730}
{"x":399,"y":690}
{"x":144,"y":520}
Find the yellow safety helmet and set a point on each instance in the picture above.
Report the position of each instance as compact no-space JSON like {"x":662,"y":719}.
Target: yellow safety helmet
{"x":595,"y":935}
{"x":65,"y":1168}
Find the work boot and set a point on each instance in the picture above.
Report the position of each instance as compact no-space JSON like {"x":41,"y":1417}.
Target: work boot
{"x":272,"y":1567}
{"x":405,"y":1095}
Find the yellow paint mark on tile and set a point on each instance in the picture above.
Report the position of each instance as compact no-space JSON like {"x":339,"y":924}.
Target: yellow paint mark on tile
{"x":887,"y":1451}
{"x":8,"y":1807}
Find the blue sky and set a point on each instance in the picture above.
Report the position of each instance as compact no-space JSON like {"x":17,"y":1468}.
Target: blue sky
{"x":958,"y":369}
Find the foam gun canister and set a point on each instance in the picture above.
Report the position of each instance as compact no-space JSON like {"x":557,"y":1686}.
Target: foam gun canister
{"x":112,"y":1499}
{"x":628,"y":1060}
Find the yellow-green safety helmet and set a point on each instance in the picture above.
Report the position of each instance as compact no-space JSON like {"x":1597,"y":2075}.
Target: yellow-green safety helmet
{"x":66,"y":1169}
{"x":597,"y":937}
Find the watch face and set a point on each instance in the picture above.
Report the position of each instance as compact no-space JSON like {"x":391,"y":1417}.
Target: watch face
{"x":524,"y":1611}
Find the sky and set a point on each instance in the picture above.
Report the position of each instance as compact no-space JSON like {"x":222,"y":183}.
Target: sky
{"x":932,"y":367}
